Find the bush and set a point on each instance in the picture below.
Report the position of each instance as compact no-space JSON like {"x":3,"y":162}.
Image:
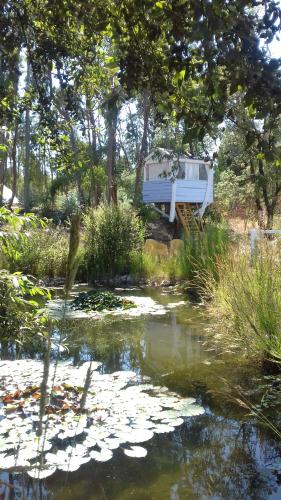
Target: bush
{"x":112,"y":233}
{"x":19,"y":312}
{"x":67,"y":204}
{"x":39,"y":252}
{"x":246,"y":303}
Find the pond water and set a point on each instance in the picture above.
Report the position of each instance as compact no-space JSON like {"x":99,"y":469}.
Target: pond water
{"x":220,"y":454}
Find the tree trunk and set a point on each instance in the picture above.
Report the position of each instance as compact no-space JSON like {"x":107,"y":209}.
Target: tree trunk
{"x":3,"y":160}
{"x":26,"y":188}
{"x":111,"y":155}
{"x":14,"y":164}
{"x":269,"y":217}
{"x":93,"y":152}
{"x":143,"y":149}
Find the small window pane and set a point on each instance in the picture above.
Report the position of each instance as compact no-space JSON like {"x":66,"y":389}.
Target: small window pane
{"x":181,"y":171}
{"x":203,"y":176}
{"x":192,"y":171}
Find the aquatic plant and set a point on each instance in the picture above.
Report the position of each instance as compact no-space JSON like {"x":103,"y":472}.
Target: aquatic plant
{"x":99,"y":301}
{"x":120,"y":410}
{"x":61,"y":309}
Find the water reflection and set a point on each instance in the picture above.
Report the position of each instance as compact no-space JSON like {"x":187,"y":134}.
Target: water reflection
{"x":215,"y":456}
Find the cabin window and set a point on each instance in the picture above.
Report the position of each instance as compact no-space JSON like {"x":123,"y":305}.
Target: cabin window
{"x":181,"y":171}
{"x":147,"y":173}
{"x":192,"y":171}
{"x":203,"y":176}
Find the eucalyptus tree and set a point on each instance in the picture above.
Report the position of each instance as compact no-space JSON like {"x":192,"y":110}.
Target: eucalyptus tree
{"x":189,"y":56}
{"x":251,"y":150}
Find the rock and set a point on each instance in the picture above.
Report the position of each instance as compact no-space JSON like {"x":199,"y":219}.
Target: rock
{"x":131,"y":280}
{"x":176,"y":246}
{"x":156,"y":248}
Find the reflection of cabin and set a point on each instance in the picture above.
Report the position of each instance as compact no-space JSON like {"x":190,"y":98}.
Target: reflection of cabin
{"x":182,"y":184}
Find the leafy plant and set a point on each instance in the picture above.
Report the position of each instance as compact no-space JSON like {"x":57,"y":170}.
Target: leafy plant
{"x":39,"y":252}
{"x":20,"y":313}
{"x":98,"y":301}
{"x":112,"y":232}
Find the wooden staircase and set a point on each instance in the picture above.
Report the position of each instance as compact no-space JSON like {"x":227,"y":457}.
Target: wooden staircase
{"x":190,"y":223}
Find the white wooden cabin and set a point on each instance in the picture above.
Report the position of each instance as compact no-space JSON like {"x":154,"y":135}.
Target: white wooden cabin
{"x":178,"y":181}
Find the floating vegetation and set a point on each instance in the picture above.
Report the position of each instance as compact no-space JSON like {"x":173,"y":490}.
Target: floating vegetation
{"x":62,"y":309}
{"x":100,"y":301}
{"x":121,"y":410}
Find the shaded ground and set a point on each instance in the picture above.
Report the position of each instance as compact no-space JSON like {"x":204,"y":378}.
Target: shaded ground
{"x":162,"y":230}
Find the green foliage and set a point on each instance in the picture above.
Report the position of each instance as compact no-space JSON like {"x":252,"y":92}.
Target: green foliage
{"x":39,"y":252}
{"x":98,"y":301}
{"x":199,"y":257}
{"x":20,"y":315}
{"x":246,"y":303}
{"x":112,"y":233}
{"x":248,"y":173}
{"x":68,"y":203}
{"x":147,"y":213}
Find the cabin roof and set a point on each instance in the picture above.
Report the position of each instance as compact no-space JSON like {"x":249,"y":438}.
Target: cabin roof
{"x":168,"y":154}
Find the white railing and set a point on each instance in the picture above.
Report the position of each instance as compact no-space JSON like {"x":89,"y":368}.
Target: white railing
{"x":256,"y":234}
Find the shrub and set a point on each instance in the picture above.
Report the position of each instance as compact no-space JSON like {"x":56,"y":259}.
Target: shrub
{"x":246,"y":303}
{"x":20,"y":315}
{"x":39,"y":252}
{"x":112,"y":233}
{"x":68,"y":204}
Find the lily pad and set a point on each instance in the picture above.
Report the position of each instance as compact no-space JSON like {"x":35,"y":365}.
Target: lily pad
{"x":135,"y":452}
{"x":120,"y":409}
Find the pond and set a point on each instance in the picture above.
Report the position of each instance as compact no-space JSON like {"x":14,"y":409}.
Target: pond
{"x":218,"y":454}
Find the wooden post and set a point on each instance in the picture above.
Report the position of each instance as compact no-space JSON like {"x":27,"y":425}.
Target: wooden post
{"x":173,"y":202}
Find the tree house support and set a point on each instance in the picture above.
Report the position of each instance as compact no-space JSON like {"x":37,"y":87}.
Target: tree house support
{"x":190,"y":223}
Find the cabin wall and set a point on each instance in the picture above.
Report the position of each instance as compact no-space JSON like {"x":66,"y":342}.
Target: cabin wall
{"x":157,"y":191}
{"x":191,"y":191}
{"x":186,"y":191}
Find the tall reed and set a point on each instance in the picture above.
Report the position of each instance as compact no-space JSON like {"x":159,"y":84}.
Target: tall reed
{"x":246,"y":303}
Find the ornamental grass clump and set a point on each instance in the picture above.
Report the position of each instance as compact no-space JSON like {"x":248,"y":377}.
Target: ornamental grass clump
{"x":201,"y":254}
{"x":246,"y":303}
{"x":112,"y":233}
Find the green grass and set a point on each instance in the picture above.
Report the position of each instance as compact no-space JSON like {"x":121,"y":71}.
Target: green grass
{"x":198,"y":257}
{"x":41,"y":253}
{"x":246,"y":303}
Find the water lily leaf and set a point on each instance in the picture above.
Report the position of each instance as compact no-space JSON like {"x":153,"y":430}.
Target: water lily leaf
{"x":135,"y":452}
{"x":101,"y":456}
{"x":189,"y":410}
{"x":163,"y":428}
{"x":121,"y":407}
{"x":136,"y":436}
{"x":41,"y":473}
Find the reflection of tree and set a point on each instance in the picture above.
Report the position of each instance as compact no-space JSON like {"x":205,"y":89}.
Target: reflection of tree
{"x":21,"y":487}
{"x":115,"y":341}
